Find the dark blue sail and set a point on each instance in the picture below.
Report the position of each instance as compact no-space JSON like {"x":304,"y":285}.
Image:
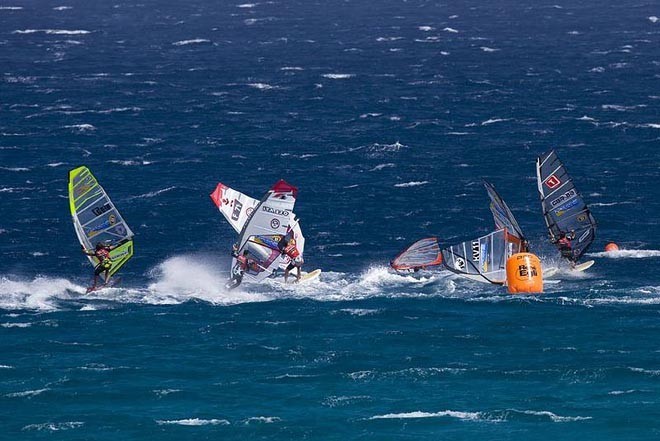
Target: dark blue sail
{"x":564,"y":209}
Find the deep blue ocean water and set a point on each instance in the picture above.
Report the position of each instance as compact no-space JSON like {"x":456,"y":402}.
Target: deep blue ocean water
{"x":386,"y":115}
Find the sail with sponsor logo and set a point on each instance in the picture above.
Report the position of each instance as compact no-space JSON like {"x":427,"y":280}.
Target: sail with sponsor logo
{"x":96,"y":219}
{"x":564,"y":209}
{"x":502,"y":214}
{"x":482,"y":259}
{"x":237,"y":207}
{"x":422,"y":254}
{"x":263,"y":232}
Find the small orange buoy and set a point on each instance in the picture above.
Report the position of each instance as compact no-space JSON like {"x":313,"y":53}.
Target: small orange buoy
{"x":524,"y":274}
{"x":611,"y":247}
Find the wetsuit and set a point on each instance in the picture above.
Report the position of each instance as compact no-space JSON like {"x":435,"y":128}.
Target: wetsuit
{"x":105,"y":263}
{"x":565,"y":247}
{"x":238,"y":270}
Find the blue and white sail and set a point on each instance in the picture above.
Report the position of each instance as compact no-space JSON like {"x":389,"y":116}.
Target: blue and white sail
{"x":564,"y":209}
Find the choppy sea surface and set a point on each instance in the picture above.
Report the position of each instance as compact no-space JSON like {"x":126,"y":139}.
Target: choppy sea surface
{"x":386,"y":115}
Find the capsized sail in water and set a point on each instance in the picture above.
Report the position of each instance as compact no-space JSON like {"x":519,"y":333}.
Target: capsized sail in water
{"x":238,"y":207}
{"x":502,"y":214}
{"x":422,"y":254}
{"x":483,"y":259}
{"x":263,"y":232}
{"x":96,"y":219}
{"x":564,"y":209}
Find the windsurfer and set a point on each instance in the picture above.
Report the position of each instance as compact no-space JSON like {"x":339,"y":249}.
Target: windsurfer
{"x":297,"y":261}
{"x":566,"y":246}
{"x":237,"y":272}
{"x":102,"y":253}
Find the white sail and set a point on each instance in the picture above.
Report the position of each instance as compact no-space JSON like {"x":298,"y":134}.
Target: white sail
{"x":482,"y":259}
{"x":263,"y":231}
{"x":235,"y":206}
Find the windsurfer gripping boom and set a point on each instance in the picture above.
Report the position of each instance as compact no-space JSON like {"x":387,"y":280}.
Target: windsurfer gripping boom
{"x":291,"y":250}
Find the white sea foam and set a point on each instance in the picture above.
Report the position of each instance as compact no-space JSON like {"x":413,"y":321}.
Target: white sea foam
{"x":164,"y":392}
{"x":6,"y":366}
{"x":189,"y":42}
{"x":291,"y":68}
{"x":627,"y":254}
{"x":654,"y":19}
{"x":52,"y":31}
{"x":247,"y":5}
{"x":54,"y":427}
{"x":360,"y":312}
{"x":37,"y":294}
{"x":467,"y":416}
{"x":383,"y":166}
{"x":622,"y":392}
{"x":55,"y":164}
{"x":11,"y":8}
{"x":452,"y":30}
{"x":488,"y":49}
{"x":337,"y":76}
{"x":184,"y":277}
{"x":651,"y":126}
{"x":81,"y":127}
{"x":16,"y":325}
{"x":62,"y":8}
{"x":552,"y":416}
{"x":262,"y":86}
{"x":262,"y":420}
{"x":493,"y":121}
{"x":411,"y":184}
{"x":15,"y":169}
{"x":152,"y":194}
{"x":27,"y":393}
{"x":426,"y":28}
{"x":194,"y":422}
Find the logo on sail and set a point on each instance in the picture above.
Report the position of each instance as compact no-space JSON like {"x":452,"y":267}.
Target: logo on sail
{"x":276,"y":211}
{"x":570,"y":194}
{"x":552,"y":182}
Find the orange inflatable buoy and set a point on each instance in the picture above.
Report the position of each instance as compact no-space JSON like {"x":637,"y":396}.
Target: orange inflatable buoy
{"x":524,"y":274}
{"x":611,"y":247}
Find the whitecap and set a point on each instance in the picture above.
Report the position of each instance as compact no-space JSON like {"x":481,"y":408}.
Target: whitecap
{"x":488,"y":49}
{"x":27,"y":393}
{"x":653,"y":19}
{"x":262,"y":419}
{"x":52,"y":31}
{"x":16,"y":325}
{"x":81,"y":127}
{"x":11,"y":8}
{"x":426,"y":28}
{"x":62,"y":8}
{"x":411,"y":184}
{"x":382,"y":166}
{"x":452,"y":30}
{"x":194,"y":422}
{"x":15,"y":169}
{"x":54,"y":427}
{"x":193,"y":41}
{"x":152,"y":194}
{"x":468,"y":416}
{"x":247,"y":5}
{"x":553,"y":417}
{"x":262,"y":86}
{"x":493,"y":121}
{"x":337,"y":76}
{"x":627,"y":254}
